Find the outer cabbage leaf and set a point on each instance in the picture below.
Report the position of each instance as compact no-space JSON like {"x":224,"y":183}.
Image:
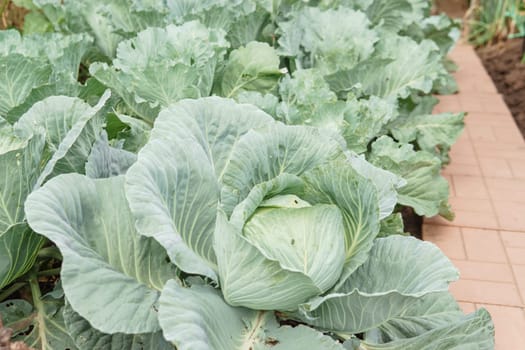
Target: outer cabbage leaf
{"x":21,"y":75}
{"x":386,"y":183}
{"x":197,"y":318}
{"x":63,"y":52}
{"x":70,"y":127}
{"x":40,"y":327}
{"x":356,"y":198}
{"x":215,"y":14}
{"x":163,"y":65}
{"x":106,"y":263}
{"x":216,"y":124}
{"x":308,"y":100}
{"x":392,"y":225}
{"x":261,"y":155}
{"x":399,"y":66}
{"x":88,"y":338}
{"x":177,"y":174}
{"x":426,"y":191}
{"x":381,"y":289}
{"x":432,"y":133}
{"x":364,"y":120}
{"x":107,"y":161}
{"x":20,"y":165}
{"x":314,"y":41}
{"x":19,"y":247}
{"x":473,"y":332}
{"x":174,"y":194}
{"x":390,"y":16}
{"x":251,"y":68}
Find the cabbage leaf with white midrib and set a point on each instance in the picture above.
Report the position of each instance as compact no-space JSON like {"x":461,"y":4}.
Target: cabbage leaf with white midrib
{"x":177,"y":176}
{"x":356,"y":198}
{"x":106,"y":263}
{"x":261,"y":155}
{"x":19,"y":247}
{"x":197,"y":318}
{"x":364,"y":302}
{"x":88,"y":338}
{"x":426,"y":190}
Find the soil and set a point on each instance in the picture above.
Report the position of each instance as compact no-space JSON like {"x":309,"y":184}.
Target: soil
{"x":11,"y":16}
{"x":413,"y":223}
{"x":503,"y":63}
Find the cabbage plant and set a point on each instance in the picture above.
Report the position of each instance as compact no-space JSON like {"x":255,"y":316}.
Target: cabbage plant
{"x":234,"y":231}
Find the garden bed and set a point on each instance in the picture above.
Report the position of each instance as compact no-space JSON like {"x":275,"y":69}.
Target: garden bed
{"x":503,"y":63}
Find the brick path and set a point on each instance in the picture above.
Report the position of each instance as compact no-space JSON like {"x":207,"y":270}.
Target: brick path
{"x":486,"y":241}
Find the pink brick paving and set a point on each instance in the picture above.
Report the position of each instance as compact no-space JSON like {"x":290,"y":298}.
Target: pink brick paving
{"x":486,"y":241}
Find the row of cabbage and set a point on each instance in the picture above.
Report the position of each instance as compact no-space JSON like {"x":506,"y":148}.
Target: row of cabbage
{"x":227,"y":175}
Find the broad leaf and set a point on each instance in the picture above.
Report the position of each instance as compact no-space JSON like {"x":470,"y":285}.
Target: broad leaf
{"x":70,"y":126}
{"x":250,"y":279}
{"x":261,"y":155}
{"x":473,"y":332}
{"x":216,"y":124}
{"x":88,"y":338}
{"x":174,"y":194}
{"x":197,"y":318}
{"x":327,"y":46}
{"x":251,"y":68}
{"x":19,"y":170}
{"x":19,"y":247}
{"x":21,"y":75}
{"x":364,"y":120}
{"x":101,"y":250}
{"x":356,"y":198}
{"x":388,"y":283}
{"x":40,"y":326}
{"x":392,"y":72}
{"x":306,"y":239}
{"x":163,"y":65}
{"x":426,"y":191}
{"x":107,"y":161}
{"x":433,"y":133}
{"x":386,"y":183}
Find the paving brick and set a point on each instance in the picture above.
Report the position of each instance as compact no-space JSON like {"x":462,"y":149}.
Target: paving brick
{"x":447,"y":238}
{"x":449,"y":103}
{"x":465,"y":218}
{"x":500,"y":150}
{"x":513,"y":239}
{"x":481,"y":133}
{"x":486,"y":292}
{"x":470,"y":187}
{"x":507,"y":134}
{"x":480,"y":206}
{"x":492,"y":119}
{"x":492,"y":103}
{"x":506,"y":189}
{"x":484,"y":271}
{"x":517,"y":167}
{"x":510,"y":215}
{"x":456,"y":168}
{"x":467,"y":307}
{"x":516,"y":255}
{"x":483,"y":245}
{"x":519,"y":274}
{"x":509,"y":325}
{"x":495,"y":167}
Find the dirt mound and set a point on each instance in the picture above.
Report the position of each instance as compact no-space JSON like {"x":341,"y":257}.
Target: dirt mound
{"x":503,"y":63}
